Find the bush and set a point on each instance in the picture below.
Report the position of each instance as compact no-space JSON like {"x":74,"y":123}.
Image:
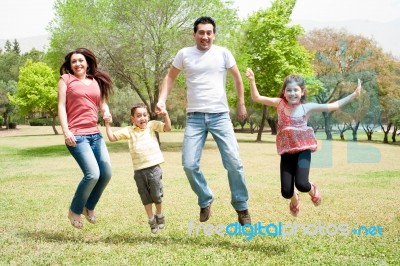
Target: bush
{"x":1,"y":121}
{"x":40,"y":122}
{"x":12,"y":125}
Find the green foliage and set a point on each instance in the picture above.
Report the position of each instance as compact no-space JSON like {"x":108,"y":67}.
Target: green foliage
{"x":273,"y":49}
{"x":37,"y":89}
{"x":10,"y":63}
{"x":6,"y":108}
{"x":134,"y":40}
{"x":120,"y":105}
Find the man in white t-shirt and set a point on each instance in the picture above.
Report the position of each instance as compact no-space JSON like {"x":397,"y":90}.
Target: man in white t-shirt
{"x":205,"y":66}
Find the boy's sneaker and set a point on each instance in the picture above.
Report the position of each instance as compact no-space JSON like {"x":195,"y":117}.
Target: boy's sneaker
{"x":160,"y":221}
{"x":244,"y":217}
{"x":153,"y":225}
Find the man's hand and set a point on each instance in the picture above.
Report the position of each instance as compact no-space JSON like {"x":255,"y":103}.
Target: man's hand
{"x":161,"y":108}
{"x":241,"y":112}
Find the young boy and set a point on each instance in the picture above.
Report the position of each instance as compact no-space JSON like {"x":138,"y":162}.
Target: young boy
{"x":146,"y":157}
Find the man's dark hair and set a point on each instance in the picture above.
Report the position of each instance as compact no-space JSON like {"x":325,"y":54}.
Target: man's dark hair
{"x":204,"y":20}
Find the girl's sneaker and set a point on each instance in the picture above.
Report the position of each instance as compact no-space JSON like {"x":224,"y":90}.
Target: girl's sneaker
{"x":153,"y":225}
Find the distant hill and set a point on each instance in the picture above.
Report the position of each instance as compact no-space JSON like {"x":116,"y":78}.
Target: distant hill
{"x":40,"y":43}
{"x":385,"y":34}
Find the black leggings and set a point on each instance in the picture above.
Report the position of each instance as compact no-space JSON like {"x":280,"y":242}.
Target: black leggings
{"x":295,"y":169}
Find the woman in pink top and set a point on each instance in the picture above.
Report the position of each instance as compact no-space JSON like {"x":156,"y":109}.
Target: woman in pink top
{"x":295,"y":140}
{"x":82,"y":92}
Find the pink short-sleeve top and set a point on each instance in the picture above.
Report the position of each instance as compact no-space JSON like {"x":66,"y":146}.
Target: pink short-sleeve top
{"x":293,"y":133}
{"x":82,"y":105}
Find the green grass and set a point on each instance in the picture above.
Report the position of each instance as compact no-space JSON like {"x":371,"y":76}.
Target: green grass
{"x":38,"y":179}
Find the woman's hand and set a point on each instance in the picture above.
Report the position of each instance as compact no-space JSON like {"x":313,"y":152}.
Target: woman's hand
{"x":69,"y":138}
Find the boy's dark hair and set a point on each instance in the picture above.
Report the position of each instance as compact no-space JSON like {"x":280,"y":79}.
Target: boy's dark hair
{"x":204,"y":20}
{"x":136,"y":106}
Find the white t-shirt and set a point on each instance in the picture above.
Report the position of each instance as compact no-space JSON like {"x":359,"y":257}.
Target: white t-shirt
{"x":205,"y":77}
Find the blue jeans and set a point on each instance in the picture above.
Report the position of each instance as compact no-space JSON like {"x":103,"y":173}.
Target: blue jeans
{"x":92,"y":156}
{"x":220,"y":126}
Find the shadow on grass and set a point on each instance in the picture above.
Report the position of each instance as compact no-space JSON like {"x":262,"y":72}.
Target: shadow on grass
{"x":162,"y":239}
{"x":254,"y":141}
{"x":47,"y":151}
{"x":34,"y":135}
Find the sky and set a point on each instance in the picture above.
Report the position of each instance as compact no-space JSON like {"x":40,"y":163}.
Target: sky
{"x":331,"y":10}
{"x":28,"y":18}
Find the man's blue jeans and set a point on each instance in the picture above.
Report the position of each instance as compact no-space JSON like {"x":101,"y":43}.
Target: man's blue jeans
{"x":220,"y":126}
{"x":92,"y":156}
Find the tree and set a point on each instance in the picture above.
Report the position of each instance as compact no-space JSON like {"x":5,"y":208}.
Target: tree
{"x":36,"y":90}
{"x":121,"y":104}
{"x":10,"y":63}
{"x":7,"y":108}
{"x":8,"y":46}
{"x":15,"y":48}
{"x":340,"y":58}
{"x":135,"y":40}
{"x":390,"y":115}
{"x":274,"y":52}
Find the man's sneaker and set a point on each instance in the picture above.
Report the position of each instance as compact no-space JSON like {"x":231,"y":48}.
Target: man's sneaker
{"x":153,"y":225}
{"x":244,"y":217}
{"x":160,"y":221}
{"x":205,"y":213}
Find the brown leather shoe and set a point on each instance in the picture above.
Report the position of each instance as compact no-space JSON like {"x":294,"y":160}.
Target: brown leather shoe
{"x":205,"y":213}
{"x":244,"y":217}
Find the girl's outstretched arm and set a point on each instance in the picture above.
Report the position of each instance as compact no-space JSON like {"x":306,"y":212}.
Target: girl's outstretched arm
{"x":255,"y":95}
{"x":315,"y":107}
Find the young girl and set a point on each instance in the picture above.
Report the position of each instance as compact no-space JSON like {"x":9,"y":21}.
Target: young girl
{"x":295,"y":140}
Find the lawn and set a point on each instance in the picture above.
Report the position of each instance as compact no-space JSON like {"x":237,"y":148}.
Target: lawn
{"x":359,"y":182}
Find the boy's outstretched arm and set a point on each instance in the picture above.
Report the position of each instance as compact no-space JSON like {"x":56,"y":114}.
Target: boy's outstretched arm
{"x":167,"y":122}
{"x":109,"y":132}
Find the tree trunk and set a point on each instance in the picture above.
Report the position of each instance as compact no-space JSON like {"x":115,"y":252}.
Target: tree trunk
{"x":385,"y":138}
{"x":394,"y":133}
{"x":53,"y":124}
{"x":273,"y":124}
{"x":355,"y":131}
{"x":261,"y":129}
{"x":5,"y":120}
{"x":386,"y":132}
{"x":327,"y":119}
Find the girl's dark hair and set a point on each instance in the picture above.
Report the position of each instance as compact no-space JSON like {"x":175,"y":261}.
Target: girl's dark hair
{"x":204,"y":20}
{"x":136,"y":106}
{"x":299,"y":81}
{"x":102,"y":77}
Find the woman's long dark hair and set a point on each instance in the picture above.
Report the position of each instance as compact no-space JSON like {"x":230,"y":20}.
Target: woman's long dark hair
{"x":102,"y":77}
